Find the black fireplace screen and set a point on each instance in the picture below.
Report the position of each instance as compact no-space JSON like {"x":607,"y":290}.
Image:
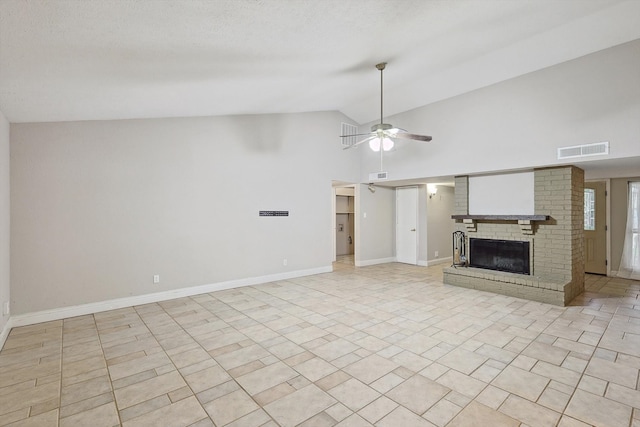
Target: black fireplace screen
{"x":501,"y":255}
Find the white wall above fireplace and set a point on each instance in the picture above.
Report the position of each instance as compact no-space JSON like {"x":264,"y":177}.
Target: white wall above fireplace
{"x":503,"y":194}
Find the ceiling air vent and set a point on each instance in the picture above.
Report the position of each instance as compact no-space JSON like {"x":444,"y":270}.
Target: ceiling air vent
{"x":378,"y":175}
{"x":585,"y":150}
{"x":348,"y":129}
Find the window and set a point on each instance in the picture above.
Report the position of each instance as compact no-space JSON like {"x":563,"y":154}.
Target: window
{"x":589,"y":209}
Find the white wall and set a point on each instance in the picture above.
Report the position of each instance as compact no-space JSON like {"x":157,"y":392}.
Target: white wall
{"x":5,"y":294}
{"x":502,"y":194}
{"x":375,"y":227}
{"x":519,"y":123}
{"x":98,"y":208}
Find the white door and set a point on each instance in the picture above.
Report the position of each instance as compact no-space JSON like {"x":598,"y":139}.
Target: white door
{"x":595,"y":227}
{"x":406,"y":225}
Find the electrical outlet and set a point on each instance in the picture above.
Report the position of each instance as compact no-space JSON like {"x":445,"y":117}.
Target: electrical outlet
{"x":437,"y":253}
{"x":156,"y":278}
{"x":6,"y":308}
{"x":284,"y":261}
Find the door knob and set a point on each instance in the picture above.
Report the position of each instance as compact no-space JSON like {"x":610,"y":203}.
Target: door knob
{"x":413,"y":229}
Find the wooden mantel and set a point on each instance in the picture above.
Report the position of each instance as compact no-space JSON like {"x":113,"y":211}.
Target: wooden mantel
{"x":524,"y":221}
{"x":503,"y":217}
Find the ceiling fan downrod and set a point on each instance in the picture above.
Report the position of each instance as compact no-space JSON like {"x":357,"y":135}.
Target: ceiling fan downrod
{"x":380,"y":67}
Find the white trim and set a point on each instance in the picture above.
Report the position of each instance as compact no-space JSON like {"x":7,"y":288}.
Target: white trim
{"x":608,"y":224}
{"x":5,"y":332}
{"x":374,"y":261}
{"x":447,"y":260}
{"x":96,"y":307}
{"x":423,"y":263}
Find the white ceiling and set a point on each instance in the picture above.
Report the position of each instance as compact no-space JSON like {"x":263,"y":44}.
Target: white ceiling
{"x":117,"y":59}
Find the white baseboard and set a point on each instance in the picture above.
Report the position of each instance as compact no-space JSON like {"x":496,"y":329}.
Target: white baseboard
{"x":374,"y":261}
{"x":5,"y":332}
{"x":447,"y":260}
{"x":96,"y":307}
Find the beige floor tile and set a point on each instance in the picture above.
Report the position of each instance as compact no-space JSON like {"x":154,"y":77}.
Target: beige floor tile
{"x":623,"y":395}
{"x":296,"y":407}
{"x":354,"y":394}
{"x":315,"y":368}
{"x":105,"y":415}
{"x":230,"y":407}
{"x":242,"y":356}
{"x":377,"y":409}
{"x":335,"y":349}
{"x":461,"y":383}
{"x":401,"y":416}
{"x":612,"y":371}
{"x":492,"y":397}
{"x":529,"y":413}
{"x":256,"y":418}
{"x":418,"y":343}
{"x":476,"y":414}
{"x":598,"y":411}
{"x":207,"y":378}
{"x":442,"y":412}
{"x":524,"y":384}
{"x":546,"y":352}
{"x":144,"y":407}
{"x":554,"y":399}
{"x":25,"y":398}
{"x":84,"y":390}
{"x":462,"y":360}
{"x":381,"y":324}
{"x":370,"y":368}
{"x":148,"y":389}
{"x":563,"y":375}
{"x":179,"y":414}
{"x":418,"y":393}
{"x":354,"y":421}
{"x":267,"y":377}
{"x":48,"y":419}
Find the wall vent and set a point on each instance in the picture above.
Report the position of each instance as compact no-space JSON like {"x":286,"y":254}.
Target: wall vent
{"x":348,"y":129}
{"x":585,"y":150}
{"x":374,"y":176}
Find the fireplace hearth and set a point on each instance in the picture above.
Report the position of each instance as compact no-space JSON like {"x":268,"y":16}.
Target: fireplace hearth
{"x":500,"y":255}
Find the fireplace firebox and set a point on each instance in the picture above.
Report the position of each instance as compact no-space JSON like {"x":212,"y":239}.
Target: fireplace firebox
{"x":501,"y":255}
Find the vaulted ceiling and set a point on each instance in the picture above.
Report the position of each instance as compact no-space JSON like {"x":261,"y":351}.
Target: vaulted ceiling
{"x":119,"y":59}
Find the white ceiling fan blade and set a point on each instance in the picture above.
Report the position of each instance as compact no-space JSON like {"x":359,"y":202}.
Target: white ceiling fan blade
{"x":361,"y":141}
{"x":394,"y":131}
{"x":412,"y":136}
{"x":355,"y":134}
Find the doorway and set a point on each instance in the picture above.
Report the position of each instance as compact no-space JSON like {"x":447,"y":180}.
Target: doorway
{"x":344,"y":225}
{"x":595,"y":227}
{"x":406,"y":225}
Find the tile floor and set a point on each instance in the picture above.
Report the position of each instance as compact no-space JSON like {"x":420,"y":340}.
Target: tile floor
{"x":385,"y":345}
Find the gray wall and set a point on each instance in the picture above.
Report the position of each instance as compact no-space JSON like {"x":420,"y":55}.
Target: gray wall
{"x":4,"y":219}
{"x":440,"y":226}
{"x":376,"y":232}
{"x":618,"y":203}
{"x":521,"y":122}
{"x":98,"y":208}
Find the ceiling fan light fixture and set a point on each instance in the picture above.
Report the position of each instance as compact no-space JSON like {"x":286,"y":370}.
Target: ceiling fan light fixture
{"x":384,"y":142}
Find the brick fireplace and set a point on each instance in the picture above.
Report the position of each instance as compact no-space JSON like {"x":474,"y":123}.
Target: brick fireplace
{"x":554,"y":234}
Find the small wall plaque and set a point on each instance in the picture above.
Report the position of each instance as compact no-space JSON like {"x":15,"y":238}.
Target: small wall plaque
{"x":274,"y":213}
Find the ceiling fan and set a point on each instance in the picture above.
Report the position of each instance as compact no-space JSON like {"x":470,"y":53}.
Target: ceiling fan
{"x":382,"y":134}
